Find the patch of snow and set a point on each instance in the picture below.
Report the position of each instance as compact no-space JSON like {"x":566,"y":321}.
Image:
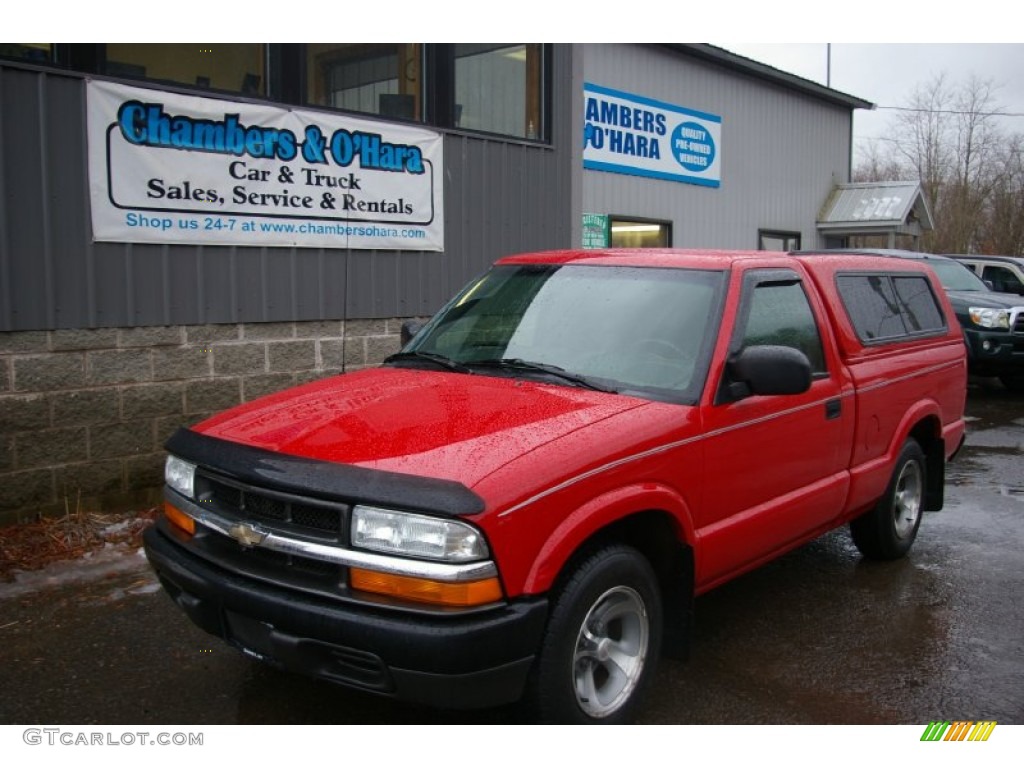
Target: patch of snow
{"x":117,"y":527}
{"x":90,"y":567}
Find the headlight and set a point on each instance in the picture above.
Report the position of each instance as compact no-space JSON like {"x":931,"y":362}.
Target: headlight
{"x":180,"y":475}
{"x":987,"y":317}
{"x":402,"y":533}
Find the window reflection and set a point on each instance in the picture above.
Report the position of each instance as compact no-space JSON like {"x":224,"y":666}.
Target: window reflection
{"x":234,"y":67}
{"x":37,"y":53}
{"x":379,"y":79}
{"x":497,"y":88}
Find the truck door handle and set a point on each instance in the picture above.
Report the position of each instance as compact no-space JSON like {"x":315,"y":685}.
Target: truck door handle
{"x":833,"y":409}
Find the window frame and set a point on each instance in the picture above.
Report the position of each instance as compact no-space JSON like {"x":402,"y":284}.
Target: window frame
{"x":614,"y":218}
{"x":761,"y":277}
{"x":890,"y":277}
{"x":285,"y":81}
{"x":779,"y":234}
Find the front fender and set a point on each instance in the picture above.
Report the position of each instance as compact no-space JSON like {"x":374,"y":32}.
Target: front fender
{"x":599,"y":513}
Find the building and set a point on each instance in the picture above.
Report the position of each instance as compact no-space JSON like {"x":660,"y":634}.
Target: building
{"x":186,"y":227}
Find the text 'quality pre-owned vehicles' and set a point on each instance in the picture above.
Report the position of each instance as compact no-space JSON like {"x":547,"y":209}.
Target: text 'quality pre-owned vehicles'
{"x":525,"y":500}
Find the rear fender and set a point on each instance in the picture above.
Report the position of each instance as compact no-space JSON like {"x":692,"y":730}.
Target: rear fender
{"x":869,"y":480}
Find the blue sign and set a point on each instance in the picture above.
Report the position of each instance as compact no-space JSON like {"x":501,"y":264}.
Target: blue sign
{"x":635,"y":135}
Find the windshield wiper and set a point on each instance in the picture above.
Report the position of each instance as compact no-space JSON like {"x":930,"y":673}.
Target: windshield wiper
{"x":429,"y":357}
{"x":518,"y":364}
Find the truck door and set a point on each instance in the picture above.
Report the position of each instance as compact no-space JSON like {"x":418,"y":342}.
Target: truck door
{"x":776,"y":465}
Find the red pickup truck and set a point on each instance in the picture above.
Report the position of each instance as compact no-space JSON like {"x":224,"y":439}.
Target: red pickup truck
{"x":524,"y":502}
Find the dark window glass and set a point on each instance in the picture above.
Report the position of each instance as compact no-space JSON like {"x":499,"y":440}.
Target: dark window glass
{"x":234,"y":67}
{"x":871,"y":304}
{"x":1003,"y":280}
{"x":498,"y":88}
{"x":383,"y":79}
{"x":921,"y":312}
{"x":890,"y":307}
{"x":780,"y":315}
{"x":37,"y":53}
{"x":768,"y":240}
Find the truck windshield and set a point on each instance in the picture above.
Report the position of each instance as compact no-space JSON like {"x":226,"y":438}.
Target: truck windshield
{"x":633,"y":330}
{"x":954,"y":276}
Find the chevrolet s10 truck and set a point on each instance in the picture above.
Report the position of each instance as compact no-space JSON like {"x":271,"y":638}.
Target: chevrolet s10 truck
{"x":524,"y":502}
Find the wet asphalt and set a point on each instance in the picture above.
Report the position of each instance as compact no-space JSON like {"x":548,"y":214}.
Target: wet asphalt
{"x":817,"y":637}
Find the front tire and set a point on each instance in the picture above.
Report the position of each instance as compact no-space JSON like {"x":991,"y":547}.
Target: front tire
{"x":888,"y":531}
{"x":603,"y":640}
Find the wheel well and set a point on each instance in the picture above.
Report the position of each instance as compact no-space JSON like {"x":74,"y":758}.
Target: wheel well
{"x":655,"y":535}
{"x":928,"y":434}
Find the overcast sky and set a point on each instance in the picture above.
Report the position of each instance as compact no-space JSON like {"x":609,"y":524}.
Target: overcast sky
{"x":886,"y":73}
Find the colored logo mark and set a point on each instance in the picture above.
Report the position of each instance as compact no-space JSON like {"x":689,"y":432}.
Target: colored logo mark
{"x":960,"y":730}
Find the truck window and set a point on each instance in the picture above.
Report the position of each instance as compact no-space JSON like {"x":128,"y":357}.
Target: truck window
{"x":1003,"y":280}
{"x":920,"y":311}
{"x":781,"y":315}
{"x":890,"y":307}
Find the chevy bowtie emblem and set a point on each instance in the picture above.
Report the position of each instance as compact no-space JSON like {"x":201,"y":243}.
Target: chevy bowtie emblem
{"x":246,"y":534}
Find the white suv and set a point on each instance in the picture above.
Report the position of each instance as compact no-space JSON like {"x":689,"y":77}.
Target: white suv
{"x":1004,"y":273}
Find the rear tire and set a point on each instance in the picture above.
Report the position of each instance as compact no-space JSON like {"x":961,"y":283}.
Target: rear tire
{"x":603,"y":641}
{"x":888,"y":531}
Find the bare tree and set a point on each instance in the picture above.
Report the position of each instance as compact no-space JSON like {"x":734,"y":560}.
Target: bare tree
{"x":975,"y":165}
{"x":948,"y":138}
{"x":876,"y":162}
{"x":1003,"y":231}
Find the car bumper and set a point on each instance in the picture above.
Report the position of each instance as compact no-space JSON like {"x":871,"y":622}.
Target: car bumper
{"x":456,"y":661}
{"x":994,"y":353}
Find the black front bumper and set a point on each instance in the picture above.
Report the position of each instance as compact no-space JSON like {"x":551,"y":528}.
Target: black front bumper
{"x":458,"y":661}
{"x":994,"y":353}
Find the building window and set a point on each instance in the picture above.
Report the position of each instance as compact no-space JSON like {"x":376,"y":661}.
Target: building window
{"x":771,"y":240}
{"x":379,"y":79}
{"x":35,"y":53}
{"x":640,"y":233}
{"x":233,"y":67}
{"x":498,"y":88}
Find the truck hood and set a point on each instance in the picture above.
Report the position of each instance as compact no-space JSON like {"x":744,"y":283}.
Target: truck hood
{"x":434,"y":424}
{"x":962,"y":300}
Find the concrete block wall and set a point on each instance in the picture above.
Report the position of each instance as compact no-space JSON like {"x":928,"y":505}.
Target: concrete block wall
{"x":84,"y":413}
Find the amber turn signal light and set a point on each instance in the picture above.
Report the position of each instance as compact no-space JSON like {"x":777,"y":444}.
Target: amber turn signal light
{"x":460,"y":595}
{"x":179,"y":519}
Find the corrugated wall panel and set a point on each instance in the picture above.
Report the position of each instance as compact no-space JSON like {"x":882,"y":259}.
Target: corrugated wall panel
{"x":781,"y":151}
{"x":23,"y":202}
{"x":500,"y":197}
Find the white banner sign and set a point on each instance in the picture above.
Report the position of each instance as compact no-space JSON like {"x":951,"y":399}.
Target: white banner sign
{"x":624,"y":133}
{"x":168,"y":168}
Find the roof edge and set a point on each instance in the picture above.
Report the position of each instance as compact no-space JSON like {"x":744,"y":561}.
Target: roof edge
{"x":754,"y":68}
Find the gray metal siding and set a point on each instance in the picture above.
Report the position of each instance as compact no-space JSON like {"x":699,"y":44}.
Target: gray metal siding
{"x":501,"y":197}
{"x":782,"y":151}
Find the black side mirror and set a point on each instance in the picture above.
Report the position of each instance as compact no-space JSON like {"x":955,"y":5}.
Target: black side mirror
{"x":766,"y":370}
{"x":409,"y":329}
